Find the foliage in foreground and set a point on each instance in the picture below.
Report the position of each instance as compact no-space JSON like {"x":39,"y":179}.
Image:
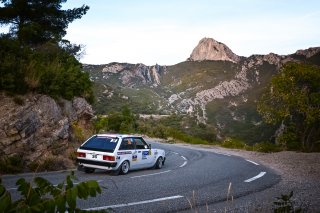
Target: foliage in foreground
{"x":43,"y":196}
{"x":286,"y":204}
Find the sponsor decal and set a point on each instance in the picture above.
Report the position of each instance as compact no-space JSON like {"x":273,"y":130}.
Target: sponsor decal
{"x":124,"y":153}
{"x":134,"y":157}
{"x":145,"y":153}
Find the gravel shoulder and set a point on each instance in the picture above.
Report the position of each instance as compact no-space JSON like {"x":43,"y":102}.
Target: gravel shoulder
{"x":300,"y":173}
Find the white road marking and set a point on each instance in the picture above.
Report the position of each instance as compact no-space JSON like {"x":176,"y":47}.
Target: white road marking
{"x":184,"y":163}
{"x":135,"y":203}
{"x":220,"y":153}
{"x":158,"y":173}
{"x":255,"y":177}
{"x":252,"y":162}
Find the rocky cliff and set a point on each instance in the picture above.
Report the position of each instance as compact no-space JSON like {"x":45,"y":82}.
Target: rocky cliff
{"x":132,"y":74}
{"x":37,"y":128}
{"x":210,"y":49}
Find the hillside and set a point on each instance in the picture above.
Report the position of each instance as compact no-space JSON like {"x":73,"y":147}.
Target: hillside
{"x":221,"y":92}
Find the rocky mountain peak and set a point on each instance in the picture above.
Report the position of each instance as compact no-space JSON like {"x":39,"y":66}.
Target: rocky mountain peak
{"x":308,"y":52}
{"x":210,"y":49}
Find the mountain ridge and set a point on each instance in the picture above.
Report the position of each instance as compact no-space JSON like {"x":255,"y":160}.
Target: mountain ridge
{"x":221,"y":93}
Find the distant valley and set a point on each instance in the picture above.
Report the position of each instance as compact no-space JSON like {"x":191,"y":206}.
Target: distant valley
{"x":214,"y":85}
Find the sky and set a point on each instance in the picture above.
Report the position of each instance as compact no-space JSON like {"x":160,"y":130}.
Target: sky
{"x":166,"y":31}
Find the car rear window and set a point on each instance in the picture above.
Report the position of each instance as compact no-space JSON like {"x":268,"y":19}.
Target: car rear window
{"x":100,"y":143}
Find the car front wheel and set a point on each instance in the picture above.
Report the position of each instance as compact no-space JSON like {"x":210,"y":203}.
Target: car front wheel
{"x":159,"y":163}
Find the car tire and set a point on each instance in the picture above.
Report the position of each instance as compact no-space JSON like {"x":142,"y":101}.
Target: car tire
{"x":159,"y":163}
{"x":89,"y":170}
{"x":124,"y":168}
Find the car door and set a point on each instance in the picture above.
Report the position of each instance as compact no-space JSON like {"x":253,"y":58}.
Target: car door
{"x":144,"y":154}
{"x":127,"y":152}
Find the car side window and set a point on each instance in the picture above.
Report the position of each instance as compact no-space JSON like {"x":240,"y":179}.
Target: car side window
{"x":126,"y":144}
{"x":140,"y":144}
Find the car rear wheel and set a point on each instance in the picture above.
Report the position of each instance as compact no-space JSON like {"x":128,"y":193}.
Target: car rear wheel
{"x":88,"y":170}
{"x":124,"y":168}
{"x":159,"y":163}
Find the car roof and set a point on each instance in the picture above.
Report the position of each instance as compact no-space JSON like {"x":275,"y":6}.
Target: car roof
{"x":118,"y":135}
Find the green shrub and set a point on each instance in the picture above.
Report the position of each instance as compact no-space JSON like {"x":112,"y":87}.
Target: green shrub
{"x":47,"y":164}
{"x":11,"y":164}
{"x":233,"y":143}
{"x":47,"y":69}
{"x":78,"y":132}
{"x":286,"y":204}
{"x":266,"y":147}
{"x":289,"y":140}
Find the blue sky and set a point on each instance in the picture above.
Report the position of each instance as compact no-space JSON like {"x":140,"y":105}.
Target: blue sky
{"x":166,"y":31}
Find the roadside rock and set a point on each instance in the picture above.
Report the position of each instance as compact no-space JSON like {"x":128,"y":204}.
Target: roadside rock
{"x":38,"y":125}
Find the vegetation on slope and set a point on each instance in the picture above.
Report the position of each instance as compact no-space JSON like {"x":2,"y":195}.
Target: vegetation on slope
{"x":33,"y":55}
{"x":293,"y":99}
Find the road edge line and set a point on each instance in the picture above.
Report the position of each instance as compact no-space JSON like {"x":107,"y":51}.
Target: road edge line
{"x":135,"y":203}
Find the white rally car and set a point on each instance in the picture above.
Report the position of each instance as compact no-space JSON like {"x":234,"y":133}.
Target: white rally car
{"x":119,"y":153}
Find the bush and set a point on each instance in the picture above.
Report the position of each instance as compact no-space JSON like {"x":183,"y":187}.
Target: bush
{"x":266,"y":147}
{"x":11,"y":164}
{"x":47,"y":164}
{"x":48,"y":69}
{"x":78,"y":132}
{"x":233,"y":143}
{"x":286,"y":204}
{"x":289,"y":140}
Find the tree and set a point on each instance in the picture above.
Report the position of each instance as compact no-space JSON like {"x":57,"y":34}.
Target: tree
{"x":36,"y":22}
{"x":293,"y":98}
{"x":33,"y":56}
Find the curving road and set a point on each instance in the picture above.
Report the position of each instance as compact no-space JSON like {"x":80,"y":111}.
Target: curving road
{"x":189,"y":178}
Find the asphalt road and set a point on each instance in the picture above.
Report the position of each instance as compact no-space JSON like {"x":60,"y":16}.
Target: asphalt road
{"x":189,"y":178}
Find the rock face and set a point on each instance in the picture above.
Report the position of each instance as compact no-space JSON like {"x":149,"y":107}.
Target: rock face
{"x":38,"y":126}
{"x":210,"y":49}
{"x":308,"y":52}
{"x":130,"y":74}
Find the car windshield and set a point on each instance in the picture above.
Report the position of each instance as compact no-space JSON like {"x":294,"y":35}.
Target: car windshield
{"x":100,"y":143}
